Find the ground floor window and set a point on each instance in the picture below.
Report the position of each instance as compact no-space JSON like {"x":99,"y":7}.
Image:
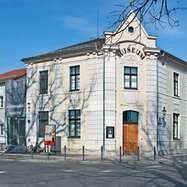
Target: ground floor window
{"x":175,"y":126}
{"x":16,"y":130}
{"x":1,"y":129}
{"x":74,"y":123}
{"x":43,"y":120}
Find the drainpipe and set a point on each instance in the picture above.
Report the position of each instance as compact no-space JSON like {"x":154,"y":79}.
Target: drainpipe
{"x":157,"y":116}
{"x":104,"y":100}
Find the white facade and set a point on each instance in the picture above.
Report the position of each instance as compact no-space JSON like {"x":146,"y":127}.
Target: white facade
{"x":108,"y":94}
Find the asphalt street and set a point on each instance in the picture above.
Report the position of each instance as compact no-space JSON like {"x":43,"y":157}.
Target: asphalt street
{"x":24,"y":173}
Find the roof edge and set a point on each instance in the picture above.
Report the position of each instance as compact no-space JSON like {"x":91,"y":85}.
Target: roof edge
{"x":67,"y":52}
{"x":174,"y":58}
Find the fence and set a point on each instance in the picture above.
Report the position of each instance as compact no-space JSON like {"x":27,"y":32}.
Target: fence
{"x":101,"y":154}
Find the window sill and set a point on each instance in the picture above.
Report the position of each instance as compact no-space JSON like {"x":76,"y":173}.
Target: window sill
{"x":73,"y":91}
{"x":74,"y":138}
{"x":131,"y":90}
{"x":176,"y":139}
{"x":44,"y":94}
{"x":176,"y":97}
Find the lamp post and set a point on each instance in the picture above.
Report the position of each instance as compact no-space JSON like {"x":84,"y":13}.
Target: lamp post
{"x":164,"y":112}
{"x":164,"y":116}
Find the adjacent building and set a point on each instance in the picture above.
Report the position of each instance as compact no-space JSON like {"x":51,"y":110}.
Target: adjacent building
{"x":2,"y":114}
{"x":117,"y":91}
{"x":12,"y":110}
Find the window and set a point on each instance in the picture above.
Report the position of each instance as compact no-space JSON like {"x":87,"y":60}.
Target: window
{"x":176,"y":84}
{"x":43,"y":120}
{"x":74,"y":123}
{"x":130,"y":78}
{"x":43,"y":82}
{"x":175,"y":126}
{"x":1,"y":129}
{"x":74,"y":78}
{"x":131,"y":29}
{"x":1,"y":102}
{"x":130,"y":116}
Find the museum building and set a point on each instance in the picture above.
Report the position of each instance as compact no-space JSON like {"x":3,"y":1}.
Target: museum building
{"x":117,"y":91}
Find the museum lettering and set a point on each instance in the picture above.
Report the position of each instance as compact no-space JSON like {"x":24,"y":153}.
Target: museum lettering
{"x":131,"y":50}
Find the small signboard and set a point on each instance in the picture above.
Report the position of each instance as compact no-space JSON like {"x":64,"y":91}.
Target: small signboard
{"x":109,"y":132}
{"x":50,"y":132}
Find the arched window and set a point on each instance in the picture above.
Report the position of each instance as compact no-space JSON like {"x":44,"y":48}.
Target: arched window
{"x":130,"y":116}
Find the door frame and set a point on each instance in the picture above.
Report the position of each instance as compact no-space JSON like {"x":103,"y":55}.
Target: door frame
{"x":130,"y":117}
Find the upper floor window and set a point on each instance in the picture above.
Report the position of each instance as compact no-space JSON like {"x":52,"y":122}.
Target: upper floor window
{"x":1,"y":102}
{"x":175,"y":126}
{"x":176,"y":84}
{"x":74,"y":78}
{"x":130,"y":77}
{"x":74,"y":123}
{"x":43,"y":120}
{"x":43,"y":82}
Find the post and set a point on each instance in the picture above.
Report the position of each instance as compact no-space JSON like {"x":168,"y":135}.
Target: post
{"x":47,"y":152}
{"x":101,"y":152}
{"x":83,"y":153}
{"x":154,"y":153}
{"x":31,"y":152}
{"x":65,"y":152}
{"x":120,"y":154}
{"x":138,"y":153}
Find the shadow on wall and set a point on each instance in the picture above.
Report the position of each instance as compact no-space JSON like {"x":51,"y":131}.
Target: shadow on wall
{"x":57,"y":101}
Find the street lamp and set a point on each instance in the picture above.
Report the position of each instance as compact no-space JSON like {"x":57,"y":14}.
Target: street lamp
{"x":164,"y":112}
{"x":164,"y":116}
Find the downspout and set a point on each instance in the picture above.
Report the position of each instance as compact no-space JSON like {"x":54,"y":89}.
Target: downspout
{"x":115,"y":101}
{"x":104,"y":100}
{"x":157,"y":116}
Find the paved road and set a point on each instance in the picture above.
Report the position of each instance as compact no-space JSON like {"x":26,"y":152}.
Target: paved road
{"x":67,"y":174}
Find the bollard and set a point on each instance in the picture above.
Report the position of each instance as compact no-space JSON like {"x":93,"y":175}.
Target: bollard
{"x":83,"y":153}
{"x":47,"y":152}
{"x":32,"y":153}
{"x":120,"y":155}
{"x":101,"y":152}
{"x":154,"y":153}
{"x":138,"y":153}
{"x":65,"y":152}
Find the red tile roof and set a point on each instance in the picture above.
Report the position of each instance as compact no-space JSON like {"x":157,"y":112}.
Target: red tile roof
{"x":13,"y":75}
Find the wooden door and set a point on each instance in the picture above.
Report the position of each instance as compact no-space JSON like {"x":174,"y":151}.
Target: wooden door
{"x":130,"y":138}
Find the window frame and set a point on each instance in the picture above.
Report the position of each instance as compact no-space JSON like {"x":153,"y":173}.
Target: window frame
{"x":176,"y":126}
{"x":130,"y":74}
{"x":43,"y":82}
{"x":176,"y":84}
{"x":77,"y":123}
{"x":1,"y":101}
{"x":42,"y":123}
{"x":74,"y":78}
{"x":1,"y":129}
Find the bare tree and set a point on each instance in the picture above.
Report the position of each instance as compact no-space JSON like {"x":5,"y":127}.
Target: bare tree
{"x":161,"y":13}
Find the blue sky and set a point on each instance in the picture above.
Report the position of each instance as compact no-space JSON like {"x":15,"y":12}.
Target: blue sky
{"x":32,"y":27}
